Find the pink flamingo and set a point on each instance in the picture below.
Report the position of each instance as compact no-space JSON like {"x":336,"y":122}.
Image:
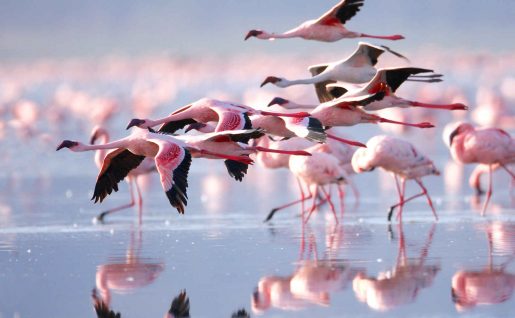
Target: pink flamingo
{"x":489,"y":146}
{"x":285,"y":127}
{"x":358,"y":68}
{"x":228,"y":116}
{"x":172,"y":156}
{"x":400,"y":158}
{"x":328,"y":28}
{"x":146,"y":166}
{"x":386,"y":82}
{"x":344,"y":112}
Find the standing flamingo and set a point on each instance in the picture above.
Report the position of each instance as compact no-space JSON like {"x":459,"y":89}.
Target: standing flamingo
{"x":328,"y":28}
{"x":386,"y":82}
{"x":358,"y":68}
{"x":489,"y":146}
{"x":146,"y":166}
{"x":402,"y":159}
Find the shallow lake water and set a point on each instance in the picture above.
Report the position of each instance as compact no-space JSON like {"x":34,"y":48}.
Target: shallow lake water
{"x":52,"y":256}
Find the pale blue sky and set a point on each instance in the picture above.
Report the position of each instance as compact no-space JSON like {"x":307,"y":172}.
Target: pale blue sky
{"x":64,"y":28}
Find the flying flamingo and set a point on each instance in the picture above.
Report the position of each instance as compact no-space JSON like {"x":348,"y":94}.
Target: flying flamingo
{"x":172,"y":156}
{"x":328,"y":28}
{"x":386,"y":82}
{"x":344,"y":112}
{"x":229,"y":116}
{"x":308,"y":127}
{"x":146,"y":166}
{"x":402,"y":159}
{"x":489,"y":146}
{"x":358,"y":68}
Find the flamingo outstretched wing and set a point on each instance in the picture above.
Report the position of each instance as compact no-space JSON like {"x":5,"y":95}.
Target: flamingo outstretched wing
{"x":116,"y":166}
{"x":341,"y":13}
{"x":173,"y":163}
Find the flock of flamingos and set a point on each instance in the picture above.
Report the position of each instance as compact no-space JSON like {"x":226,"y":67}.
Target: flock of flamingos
{"x":299,"y":137}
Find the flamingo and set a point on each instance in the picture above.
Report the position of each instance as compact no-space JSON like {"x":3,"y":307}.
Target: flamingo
{"x":344,"y":112}
{"x":146,"y":166}
{"x":358,"y":68}
{"x":489,"y":146}
{"x":400,"y":158}
{"x":172,"y":156}
{"x":229,"y":116}
{"x":386,"y":82}
{"x":316,"y":171}
{"x":308,"y":127}
{"x":328,"y":28}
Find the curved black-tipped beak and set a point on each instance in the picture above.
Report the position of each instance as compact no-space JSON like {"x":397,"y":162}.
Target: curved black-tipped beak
{"x":253,"y":33}
{"x":195,"y":126}
{"x":270,"y":79}
{"x":277,"y":101}
{"x":454,"y":133}
{"x":135,"y":122}
{"x":66,"y":144}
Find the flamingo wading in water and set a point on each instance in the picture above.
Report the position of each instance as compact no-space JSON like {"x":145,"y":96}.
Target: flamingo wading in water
{"x":403,"y":160}
{"x":488,"y":146}
{"x":328,"y":28}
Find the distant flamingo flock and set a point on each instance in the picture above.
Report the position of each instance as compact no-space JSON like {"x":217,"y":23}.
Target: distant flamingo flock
{"x":301,"y":137}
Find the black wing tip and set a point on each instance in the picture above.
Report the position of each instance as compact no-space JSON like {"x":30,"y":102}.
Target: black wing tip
{"x":237,"y":170}
{"x":177,"y":195}
{"x":180,"y":306}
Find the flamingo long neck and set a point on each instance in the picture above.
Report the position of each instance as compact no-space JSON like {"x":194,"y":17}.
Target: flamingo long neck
{"x":293,"y":33}
{"x":101,"y":153}
{"x":122,"y":143}
{"x":293,"y":105}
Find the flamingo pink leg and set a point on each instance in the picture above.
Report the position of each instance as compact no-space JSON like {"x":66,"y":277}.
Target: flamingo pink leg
{"x":287,"y":205}
{"x":140,"y":200}
{"x":489,"y":192}
{"x":331,"y":205}
{"x":383,"y":37}
{"x":347,"y":141}
{"x":341,"y":195}
{"x":102,"y":215}
{"x":302,"y":196}
{"x":455,"y":106}
{"x":419,"y":125}
{"x":242,"y":159}
{"x":429,"y":201}
{"x":313,"y":205}
{"x":286,"y":152}
{"x":401,"y":206}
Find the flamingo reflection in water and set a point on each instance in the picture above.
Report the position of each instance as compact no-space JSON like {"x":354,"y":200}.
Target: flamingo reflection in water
{"x":400,"y":285}
{"x":126,"y":275}
{"x":492,"y":285}
{"x":310,"y":284}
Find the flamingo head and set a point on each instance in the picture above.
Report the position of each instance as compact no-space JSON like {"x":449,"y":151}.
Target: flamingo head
{"x":278,"y":101}
{"x":72,"y":145}
{"x":195,"y":126}
{"x":271,"y":79}
{"x":141,"y":123}
{"x":465,"y":127}
{"x":252,"y":33}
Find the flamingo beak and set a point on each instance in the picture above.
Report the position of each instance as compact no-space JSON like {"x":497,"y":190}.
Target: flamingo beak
{"x":270,"y":79}
{"x":195,"y":126}
{"x":66,"y":144}
{"x":277,"y":101}
{"x":253,"y":33}
{"x":135,"y":122}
